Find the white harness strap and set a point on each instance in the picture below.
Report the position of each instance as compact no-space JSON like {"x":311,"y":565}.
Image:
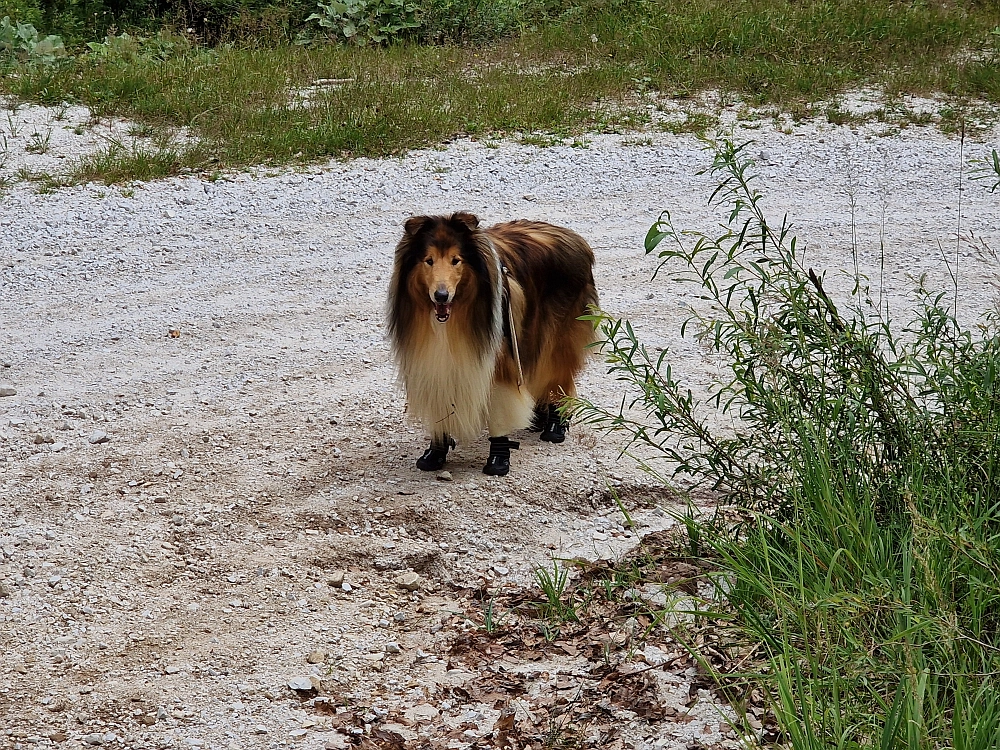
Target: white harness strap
{"x":505,"y":291}
{"x":513,"y":329}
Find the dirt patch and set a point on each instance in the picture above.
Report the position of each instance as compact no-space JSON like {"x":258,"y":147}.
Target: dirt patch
{"x":177,"y":510}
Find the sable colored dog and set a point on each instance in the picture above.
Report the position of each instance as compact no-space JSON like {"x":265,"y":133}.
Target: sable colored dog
{"x":484,"y":328}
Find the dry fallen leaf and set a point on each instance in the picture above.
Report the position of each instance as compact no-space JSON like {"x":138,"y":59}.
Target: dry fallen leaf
{"x":381,"y":739}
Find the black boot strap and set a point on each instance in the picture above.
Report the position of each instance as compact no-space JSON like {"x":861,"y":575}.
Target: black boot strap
{"x":501,"y":446}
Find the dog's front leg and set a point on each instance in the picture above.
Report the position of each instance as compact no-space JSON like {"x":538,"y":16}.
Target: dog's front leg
{"x":434,"y":457}
{"x":498,"y":464}
{"x":510,"y":409}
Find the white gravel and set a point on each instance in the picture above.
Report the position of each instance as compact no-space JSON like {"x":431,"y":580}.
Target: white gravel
{"x":167,"y":579}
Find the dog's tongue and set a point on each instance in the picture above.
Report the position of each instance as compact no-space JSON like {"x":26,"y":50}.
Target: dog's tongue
{"x":442,"y":312}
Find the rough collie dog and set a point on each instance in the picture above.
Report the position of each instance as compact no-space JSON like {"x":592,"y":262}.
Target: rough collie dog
{"x":483,"y":324}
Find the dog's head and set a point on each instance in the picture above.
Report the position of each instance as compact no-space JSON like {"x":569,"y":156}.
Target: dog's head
{"x":442,"y":250}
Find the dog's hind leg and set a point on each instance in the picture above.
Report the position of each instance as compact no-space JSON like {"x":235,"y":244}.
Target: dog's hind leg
{"x":539,"y":417}
{"x":556,"y":425}
{"x":547,"y":420}
{"x":554,"y":382}
{"x":434,"y":457}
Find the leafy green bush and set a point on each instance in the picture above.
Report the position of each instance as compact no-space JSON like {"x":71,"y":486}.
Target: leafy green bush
{"x":126,"y":47}
{"x":25,"y":11}
{"x":366,"y":21}
{"x":258,"y":21}
{"x":21,"y":42}
{"x":475,"y":21}
{"x":81,"y":21}
{"x":860,"y":557}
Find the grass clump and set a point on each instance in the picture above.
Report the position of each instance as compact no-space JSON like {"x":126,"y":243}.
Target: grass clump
{"x":468,"y":68}
{"x":859,"y":546}
{"x":329,"y":101}
{"x":554,"y":583}
{"x":119,"y":162}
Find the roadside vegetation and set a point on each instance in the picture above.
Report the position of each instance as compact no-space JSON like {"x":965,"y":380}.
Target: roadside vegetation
{"x":231,"y":84}
{"x":855,"y":549}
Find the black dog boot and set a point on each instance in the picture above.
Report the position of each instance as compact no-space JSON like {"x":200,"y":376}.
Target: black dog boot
{"x":555,"y":426}
{"x":434,"y":457}
{"x":498,"y":464}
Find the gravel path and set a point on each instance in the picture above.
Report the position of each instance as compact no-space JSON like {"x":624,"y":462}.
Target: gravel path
{"x":179,"y":514}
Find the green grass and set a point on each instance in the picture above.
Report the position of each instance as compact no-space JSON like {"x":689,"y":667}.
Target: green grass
{"x":243,"y":111}
{"x":858,"y":542}
{"x":121,"y":163}
{"x":558,"y":607}
{"x":551,"y":79}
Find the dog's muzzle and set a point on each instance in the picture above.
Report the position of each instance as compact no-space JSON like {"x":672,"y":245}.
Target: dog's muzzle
{"x":442,"y":311}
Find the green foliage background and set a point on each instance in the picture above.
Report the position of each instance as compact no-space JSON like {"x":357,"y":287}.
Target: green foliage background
{"x":263,"y":21}
{"x":214,"y":20}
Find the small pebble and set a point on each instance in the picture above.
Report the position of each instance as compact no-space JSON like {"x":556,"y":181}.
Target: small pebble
{"x":316,"y":657}
{"x":97,"y":437}
{"x":409,"y":581}
{"x":301,"y":684}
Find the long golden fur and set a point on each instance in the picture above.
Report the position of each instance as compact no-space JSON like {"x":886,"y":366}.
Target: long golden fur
{"x":448,"y":321}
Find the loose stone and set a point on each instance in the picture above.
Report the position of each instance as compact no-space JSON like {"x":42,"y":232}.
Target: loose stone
{"x":409,"y":581}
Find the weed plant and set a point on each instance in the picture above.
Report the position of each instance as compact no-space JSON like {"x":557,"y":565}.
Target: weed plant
{"x":860,"y":548}
{"x":558,"y":607}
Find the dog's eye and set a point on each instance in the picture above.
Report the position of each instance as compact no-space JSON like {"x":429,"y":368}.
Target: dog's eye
{"x":456,"y":261}
{"x":429,"y":261}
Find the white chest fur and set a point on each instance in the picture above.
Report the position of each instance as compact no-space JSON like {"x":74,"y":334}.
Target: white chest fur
{"x":447,"y":383}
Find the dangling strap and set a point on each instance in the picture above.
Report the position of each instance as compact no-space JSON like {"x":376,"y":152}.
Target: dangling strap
{"x":510,"y":325}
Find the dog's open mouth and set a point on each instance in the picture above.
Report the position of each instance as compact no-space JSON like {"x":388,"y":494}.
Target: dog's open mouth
{"x":443,"y":312}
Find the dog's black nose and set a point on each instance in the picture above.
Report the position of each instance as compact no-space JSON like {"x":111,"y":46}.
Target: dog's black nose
{"x":441,"y":296}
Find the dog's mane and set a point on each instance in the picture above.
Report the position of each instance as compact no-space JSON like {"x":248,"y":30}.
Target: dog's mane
{"x":405,"y":313}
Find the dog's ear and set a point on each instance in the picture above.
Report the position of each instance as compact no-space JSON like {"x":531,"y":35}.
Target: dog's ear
{"x":464,"y":217}
{"x":414,"y":224}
